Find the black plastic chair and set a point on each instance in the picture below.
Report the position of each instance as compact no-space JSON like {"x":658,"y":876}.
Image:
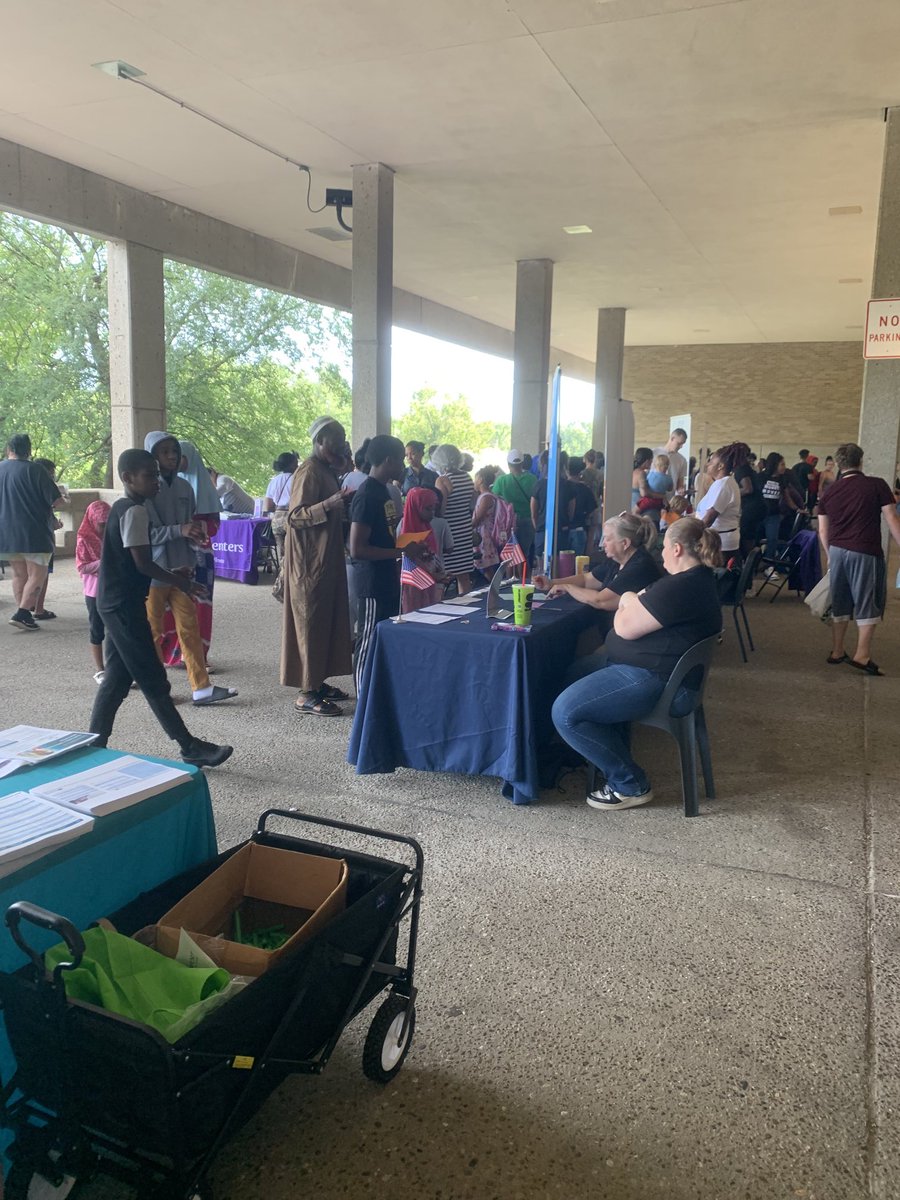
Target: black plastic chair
{"x":688,"y":728}
{"x":736,"y":600}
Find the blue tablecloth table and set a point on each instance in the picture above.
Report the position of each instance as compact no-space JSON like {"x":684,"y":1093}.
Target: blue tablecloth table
{"x":461,"y":697}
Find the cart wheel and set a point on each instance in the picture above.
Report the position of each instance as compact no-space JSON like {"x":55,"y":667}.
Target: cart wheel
{"x":24,"y":1183}
{"x":384,"y":1055}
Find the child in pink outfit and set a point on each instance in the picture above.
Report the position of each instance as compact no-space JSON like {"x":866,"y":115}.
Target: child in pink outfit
{"x":88,"y":547}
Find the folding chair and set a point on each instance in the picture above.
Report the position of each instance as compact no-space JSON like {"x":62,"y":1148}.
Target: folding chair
{"x":736,"y":600}
{"x":786,"y":567}
{"x":680,"y":714}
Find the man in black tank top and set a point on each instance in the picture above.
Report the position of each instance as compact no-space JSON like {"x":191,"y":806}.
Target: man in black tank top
{"x":126,"y":569}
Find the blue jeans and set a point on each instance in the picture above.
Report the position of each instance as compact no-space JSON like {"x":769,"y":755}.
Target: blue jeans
{"x":593,"y":716}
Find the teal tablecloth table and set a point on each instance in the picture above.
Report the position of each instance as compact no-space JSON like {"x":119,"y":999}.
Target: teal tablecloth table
{"x":126,"y":853}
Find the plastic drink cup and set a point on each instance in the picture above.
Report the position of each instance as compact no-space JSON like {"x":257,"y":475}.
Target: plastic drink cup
{"x":523,"y":595}
{"x":582,"y":564}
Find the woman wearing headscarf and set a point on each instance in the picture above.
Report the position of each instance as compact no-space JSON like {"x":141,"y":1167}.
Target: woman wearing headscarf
{"x":88,"y":549}
{"x":418,"y":514}
{"x":206,"y":500}
{"x":459,"y":503}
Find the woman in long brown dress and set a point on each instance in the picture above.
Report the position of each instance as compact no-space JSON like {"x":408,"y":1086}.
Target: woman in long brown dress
{"x":316,"y":631}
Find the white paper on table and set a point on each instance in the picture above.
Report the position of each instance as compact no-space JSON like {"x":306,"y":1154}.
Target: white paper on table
{"x":425,"y":618}
{"x":31,"y":744}
{"x":8,"y":765}
{"x":29,"y":824}
{"x":448,"y":610}
{"x":117,"y":784}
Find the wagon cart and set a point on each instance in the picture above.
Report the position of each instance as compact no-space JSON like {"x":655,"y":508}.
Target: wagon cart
{"x":97,"y":1092}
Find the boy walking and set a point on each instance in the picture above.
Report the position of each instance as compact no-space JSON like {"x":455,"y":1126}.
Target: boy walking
{"x":126,"y":570}
{"x":173,"y":535}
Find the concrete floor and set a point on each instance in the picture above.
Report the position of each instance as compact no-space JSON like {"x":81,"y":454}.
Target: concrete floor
{"x":616,"y":1006}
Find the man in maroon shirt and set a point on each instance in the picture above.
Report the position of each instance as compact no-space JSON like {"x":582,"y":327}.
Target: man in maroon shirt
{"x":850,"y":515}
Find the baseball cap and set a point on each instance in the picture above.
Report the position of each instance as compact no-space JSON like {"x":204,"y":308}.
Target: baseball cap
{"x":514,"y":458}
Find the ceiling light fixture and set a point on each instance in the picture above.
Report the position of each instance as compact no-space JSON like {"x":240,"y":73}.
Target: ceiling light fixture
{"x":845,"y":210}
{"x":577,"y":229}
{"x":120,"y":69}
{"x":852,"y":279}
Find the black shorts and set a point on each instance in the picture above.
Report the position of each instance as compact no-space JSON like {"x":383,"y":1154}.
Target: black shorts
{"x":95,"y":622}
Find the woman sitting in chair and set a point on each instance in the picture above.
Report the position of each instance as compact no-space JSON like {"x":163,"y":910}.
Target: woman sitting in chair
{"x":651,"y":631}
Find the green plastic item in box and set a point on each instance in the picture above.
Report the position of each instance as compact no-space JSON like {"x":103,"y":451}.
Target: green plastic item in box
{"x":124,"y":977}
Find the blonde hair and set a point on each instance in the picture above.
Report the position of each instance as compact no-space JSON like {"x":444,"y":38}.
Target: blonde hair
{"x":696,"y":540}
{"x":679,"y":504}
{"x":661,"y":464}
{"x":640,"y":531}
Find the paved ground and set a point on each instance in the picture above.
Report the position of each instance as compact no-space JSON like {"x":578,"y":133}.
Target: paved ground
{"x":621,"y":1006}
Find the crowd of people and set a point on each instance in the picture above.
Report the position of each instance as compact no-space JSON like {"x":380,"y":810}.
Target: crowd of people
{"x":395,"y":528}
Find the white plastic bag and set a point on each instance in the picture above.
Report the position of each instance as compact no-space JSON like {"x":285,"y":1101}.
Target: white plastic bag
{"x":819,"y":599}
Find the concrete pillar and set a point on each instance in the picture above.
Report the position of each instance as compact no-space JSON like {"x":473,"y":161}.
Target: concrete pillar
{"x":137,"y":345}
{"x":879,"y":419}
{"x":373,"y":289}
{"x":608,"y":371}
{"x":531,"y":357}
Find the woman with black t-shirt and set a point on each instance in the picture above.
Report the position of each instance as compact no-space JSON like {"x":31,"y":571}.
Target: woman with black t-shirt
{"x":651,"y":631}
{"x":627,"y":567}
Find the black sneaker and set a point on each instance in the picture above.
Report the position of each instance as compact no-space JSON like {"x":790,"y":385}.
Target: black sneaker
{"x":24,"y":620}
{"x":206,"y":754}
{"x":606,"y":798}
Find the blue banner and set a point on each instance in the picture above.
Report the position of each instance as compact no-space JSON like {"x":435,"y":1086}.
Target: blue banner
{"x":550,"y":536}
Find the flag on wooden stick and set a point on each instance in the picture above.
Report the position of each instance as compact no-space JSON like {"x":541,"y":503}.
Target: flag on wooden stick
{"x":414,"y":575}
{"x":512,"y":551}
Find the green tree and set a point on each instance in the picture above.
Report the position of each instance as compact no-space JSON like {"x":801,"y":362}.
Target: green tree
{"x":447,"y":420}
{"x":576,"y":437}
{"x":247,"y":369}
{"x":54,"y":359}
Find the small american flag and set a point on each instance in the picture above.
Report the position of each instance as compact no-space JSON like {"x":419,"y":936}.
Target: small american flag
{"x":512,"y":551}
{"x":414,"y":575}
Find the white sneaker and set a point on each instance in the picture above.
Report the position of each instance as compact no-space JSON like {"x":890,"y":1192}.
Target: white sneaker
{"x":99,"y":676}
{"x":606,"y":798}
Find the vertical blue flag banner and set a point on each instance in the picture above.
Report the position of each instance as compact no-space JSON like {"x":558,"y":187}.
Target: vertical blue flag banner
{"x":550,"y":523}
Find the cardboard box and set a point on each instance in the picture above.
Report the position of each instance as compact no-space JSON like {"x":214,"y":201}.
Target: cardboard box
{"x":268,"y":887}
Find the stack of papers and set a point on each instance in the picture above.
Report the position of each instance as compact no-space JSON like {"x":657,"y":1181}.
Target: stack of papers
{"x":447,"y":610}
{"x":116,"y":784}
{"x":26,"y":745}
{"x":30,"y":826}
{"x":32,"y":823}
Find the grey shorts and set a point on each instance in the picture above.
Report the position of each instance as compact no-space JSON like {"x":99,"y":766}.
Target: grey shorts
{"x":858,"y":586}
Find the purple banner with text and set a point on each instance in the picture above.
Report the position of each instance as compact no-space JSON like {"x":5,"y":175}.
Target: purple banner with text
{"x":235,"y":548}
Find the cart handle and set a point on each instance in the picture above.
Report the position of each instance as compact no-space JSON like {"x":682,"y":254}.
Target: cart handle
{"x":294,"y":814}
{"x":45,"y":919}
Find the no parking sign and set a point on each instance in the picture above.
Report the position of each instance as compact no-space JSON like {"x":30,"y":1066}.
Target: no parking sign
{"x":882,"y":329}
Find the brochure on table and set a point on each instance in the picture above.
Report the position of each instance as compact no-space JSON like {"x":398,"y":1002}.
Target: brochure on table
{"x":28,"y":745}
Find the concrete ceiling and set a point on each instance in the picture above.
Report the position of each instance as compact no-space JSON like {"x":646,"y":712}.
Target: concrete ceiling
{"x":703,"y":141}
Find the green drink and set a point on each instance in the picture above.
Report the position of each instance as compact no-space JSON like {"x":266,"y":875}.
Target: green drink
{"x":523,"y":594}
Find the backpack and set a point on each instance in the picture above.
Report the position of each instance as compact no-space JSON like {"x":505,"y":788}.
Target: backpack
{"x":504,"y":522}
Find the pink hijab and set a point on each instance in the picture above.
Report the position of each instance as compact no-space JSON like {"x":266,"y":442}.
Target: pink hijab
{"x":413,"y":522}
{"x":89,"y":542}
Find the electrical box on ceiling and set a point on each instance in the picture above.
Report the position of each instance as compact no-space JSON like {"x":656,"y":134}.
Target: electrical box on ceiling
{"x":338,"y":198}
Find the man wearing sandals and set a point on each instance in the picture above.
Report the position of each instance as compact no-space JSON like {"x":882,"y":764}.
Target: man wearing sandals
{"x":850,"y":531}
{"x":315,"y":641}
